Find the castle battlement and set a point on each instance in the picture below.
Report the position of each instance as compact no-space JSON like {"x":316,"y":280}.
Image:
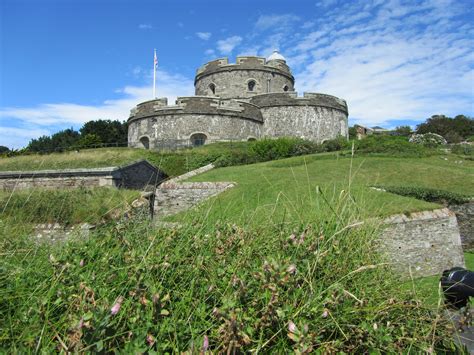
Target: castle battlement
{"x":199,"y":105}
{"x":244,"y":63}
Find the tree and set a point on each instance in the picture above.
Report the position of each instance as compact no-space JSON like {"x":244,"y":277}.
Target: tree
{"x":442,"y":125}
{"x":57,"y":142}
{"x":106,"y":130}
{"x":352,"y":132}
{"x":404,"y":131}
{"x":4,"y":149}
{"x":90,"y":140}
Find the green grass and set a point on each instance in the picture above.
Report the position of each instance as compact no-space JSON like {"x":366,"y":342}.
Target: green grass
{"x":286,"y":191}
{"x":271,"y":290}
{"x":19,"y":210}
{"x":172,"y":162}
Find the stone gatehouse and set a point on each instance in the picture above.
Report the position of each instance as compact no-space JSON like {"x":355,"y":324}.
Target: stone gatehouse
{"x":253,"y":98}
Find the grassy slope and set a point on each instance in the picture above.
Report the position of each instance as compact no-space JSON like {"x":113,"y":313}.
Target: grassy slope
{"x":19,"y":210}
{"x":285,"y":190}
{"x":92,"y":158}
{"x":172,"y":162}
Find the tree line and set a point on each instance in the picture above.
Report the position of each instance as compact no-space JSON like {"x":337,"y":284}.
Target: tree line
{"x":454,"y":130}
{"x":92,"y":134}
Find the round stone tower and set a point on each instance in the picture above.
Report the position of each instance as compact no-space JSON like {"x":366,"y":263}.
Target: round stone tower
{"x":248,"y":77}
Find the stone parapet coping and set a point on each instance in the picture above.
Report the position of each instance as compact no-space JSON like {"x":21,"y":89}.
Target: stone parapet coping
{"x":422,"y":215}
{"x":67,"y":172}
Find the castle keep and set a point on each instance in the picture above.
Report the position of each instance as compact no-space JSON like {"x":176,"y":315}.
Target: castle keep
{"x":251,"y":99}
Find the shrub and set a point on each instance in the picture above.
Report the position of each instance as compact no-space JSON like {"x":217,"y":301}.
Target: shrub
{"x":333,"y":145}
{"x":390,"y":145}
{"x":462,"y":149}
{"x":427,"y":194}
{"x":429,"y":140}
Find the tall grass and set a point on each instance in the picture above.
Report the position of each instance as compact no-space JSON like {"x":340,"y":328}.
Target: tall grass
{"x":221,"y":287}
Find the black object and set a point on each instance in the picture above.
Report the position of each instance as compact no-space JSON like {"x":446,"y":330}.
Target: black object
{"x":458,"y":285}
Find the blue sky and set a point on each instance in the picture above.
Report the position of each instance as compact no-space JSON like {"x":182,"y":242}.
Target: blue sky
{"x":65,"y":62}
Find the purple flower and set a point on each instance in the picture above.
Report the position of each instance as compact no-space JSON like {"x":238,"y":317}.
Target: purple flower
{"x":292,"y":327}
{"x":205,"y":343}
{"x":116,"y":307}
{"x":291,"y":269}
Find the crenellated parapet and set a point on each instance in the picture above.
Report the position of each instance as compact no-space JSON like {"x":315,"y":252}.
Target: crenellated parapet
{"x":201,"y":105}
{"x":244,"y":63}
{"x":308,"y":99}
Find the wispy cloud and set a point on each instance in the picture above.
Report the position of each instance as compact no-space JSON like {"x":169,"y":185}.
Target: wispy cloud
{"x":205,"y":36}
{"x":390,"y":60}
{"x":17,"y":137}
{"x":145,"y":26}
{"x":226,"y":46}
{"x":275,"y":22}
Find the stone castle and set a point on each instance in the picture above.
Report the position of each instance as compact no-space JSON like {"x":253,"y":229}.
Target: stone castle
{"x":251,"y":99}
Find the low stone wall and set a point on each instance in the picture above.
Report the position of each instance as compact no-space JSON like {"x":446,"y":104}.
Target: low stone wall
{"x":172,"y":198}
{"x":422,"y":244}
{"x":465,"y":216}
{"x":137,"y":175}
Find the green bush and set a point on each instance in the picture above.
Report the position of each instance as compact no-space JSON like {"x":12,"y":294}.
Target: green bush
{"x":390,"y":145}
{"x":462,"y":149}
{"x":427,"y":194}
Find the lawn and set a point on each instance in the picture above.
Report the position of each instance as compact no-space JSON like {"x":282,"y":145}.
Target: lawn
{"x":286,"y":190}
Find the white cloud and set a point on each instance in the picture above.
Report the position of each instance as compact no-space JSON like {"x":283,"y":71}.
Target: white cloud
{"x":226,"y":46}
{"x":145,"y":26}
{"x":210,"y":52}
{"x":395,"y":65}
{"x":15,"y":138}
{"x":275,"y":22}
{"x":205,"y":36}
{"x":66,"y":114}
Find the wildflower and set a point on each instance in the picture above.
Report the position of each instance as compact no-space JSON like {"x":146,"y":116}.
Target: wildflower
{"x":150,"y":340}
{"x":116,"y":307}
{"x":292,"y":327}
{"x":375,"y":326}
{"x":291,"y":269}
{"x":205,"y":343}
{"x":81,"y":263}
{"x":155,"y":298}
{"x":81,"y":323}
{"x":325,"y":313}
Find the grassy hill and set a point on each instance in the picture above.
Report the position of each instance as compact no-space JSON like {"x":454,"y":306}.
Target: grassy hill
{"x":271,"y":266}
{"x":286,"y":190}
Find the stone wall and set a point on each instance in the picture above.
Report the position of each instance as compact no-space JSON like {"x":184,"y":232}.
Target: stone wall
{"x":183,"y":126}
{"x":231,"y":80}
{"x":465,"y":216}
{"x":137,"y":175}
{"x":425,"y":243}
{"x":172,"y":198}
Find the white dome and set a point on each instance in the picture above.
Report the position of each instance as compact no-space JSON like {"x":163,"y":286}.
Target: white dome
{"x":276,"y":56}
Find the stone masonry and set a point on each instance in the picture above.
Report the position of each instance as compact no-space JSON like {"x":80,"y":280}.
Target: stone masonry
{"x":422,"y":244}
{"x":250,"y":99}
{"x":137,"y":175}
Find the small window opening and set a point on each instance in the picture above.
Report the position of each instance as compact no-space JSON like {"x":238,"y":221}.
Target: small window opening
{"x":198,"y":139}
{"x":286,"y":88}
{"x":212,"y":87}
{"x":251,"y":85}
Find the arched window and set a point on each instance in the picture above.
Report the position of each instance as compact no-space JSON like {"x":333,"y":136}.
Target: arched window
{"x":145,"y":142}
{"x":251,"y":85}
{"x":212,"y":88}
{"x":285,"y":88}
{"x":198,"y":139}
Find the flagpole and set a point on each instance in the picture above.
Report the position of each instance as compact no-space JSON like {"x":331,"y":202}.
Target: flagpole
{"x":154,"y":75}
